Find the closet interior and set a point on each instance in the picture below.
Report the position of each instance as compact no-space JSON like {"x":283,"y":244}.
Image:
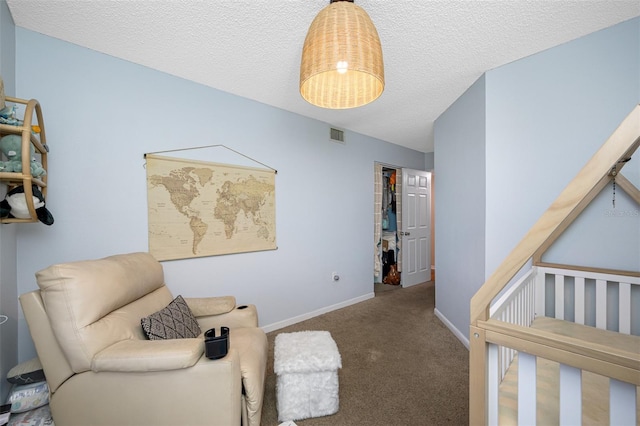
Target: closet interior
{"x":390,"y":273}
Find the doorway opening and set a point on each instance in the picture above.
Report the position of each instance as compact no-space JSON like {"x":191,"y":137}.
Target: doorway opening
{"x":387,"y":270}
{"x":403,"y":227}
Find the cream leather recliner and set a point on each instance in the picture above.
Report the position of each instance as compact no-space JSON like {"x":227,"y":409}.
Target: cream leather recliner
{"x":102,"y":370}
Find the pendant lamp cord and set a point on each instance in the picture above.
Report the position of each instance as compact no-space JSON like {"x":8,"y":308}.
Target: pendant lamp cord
{"x":613,"y":173}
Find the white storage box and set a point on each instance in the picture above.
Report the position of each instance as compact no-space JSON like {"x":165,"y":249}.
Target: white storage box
{"x":306,"y":364}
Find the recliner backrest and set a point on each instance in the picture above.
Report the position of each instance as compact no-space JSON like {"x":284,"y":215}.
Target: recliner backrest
{"x":93,"y":304}
{"x":54,"y":362}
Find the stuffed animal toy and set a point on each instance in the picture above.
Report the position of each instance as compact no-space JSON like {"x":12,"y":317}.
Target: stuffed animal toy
{"x":8,"y":116}
{"x":15,"y":205}
{"x":11,"y":147}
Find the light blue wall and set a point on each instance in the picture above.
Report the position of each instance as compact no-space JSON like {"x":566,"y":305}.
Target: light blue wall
{"x":102,"y":114}
{"x":429,"y":162}
{"x":546,"y":115}
{"x":460,"y":205}
{"x":8,"y":51}
{"x":8,"y":242}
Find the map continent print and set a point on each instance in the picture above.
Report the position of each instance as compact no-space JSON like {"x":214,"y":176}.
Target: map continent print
{"x":204,"y":209}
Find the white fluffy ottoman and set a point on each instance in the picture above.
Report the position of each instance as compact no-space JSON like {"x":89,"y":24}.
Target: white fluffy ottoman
{"x":306,"y":363}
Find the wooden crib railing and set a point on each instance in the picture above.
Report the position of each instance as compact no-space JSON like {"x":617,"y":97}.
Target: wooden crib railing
{"x":600,"y":300}
{"x":545,"y":299}
{"x":514,"y":326}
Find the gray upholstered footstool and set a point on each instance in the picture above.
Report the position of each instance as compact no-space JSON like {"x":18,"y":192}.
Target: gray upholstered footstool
{"x":306,"y":364}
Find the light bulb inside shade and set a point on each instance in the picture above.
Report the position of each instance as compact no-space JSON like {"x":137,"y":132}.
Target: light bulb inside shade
{"x":342,"y":67}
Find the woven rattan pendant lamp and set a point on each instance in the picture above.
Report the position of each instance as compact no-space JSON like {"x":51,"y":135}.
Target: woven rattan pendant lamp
{"x":342,"y":64}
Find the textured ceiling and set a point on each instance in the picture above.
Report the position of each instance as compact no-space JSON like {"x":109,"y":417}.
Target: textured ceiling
{"x":433,"y":50}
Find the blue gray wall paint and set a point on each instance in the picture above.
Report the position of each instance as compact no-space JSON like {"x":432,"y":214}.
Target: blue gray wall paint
{"x":102,"y":114}
{"x":546,"y":115}
{"x":8,"y":240}
{"x":429,"y":162}
{"x":460,"y":204}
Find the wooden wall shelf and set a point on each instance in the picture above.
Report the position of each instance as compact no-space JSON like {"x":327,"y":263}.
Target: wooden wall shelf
{"x":32,"y":117}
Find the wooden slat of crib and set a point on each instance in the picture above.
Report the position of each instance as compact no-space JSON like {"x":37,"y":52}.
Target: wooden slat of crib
{"x":540,"y":290}
{"x":494,"y":377}
{"x":503,"y":364}
{"x":570,"y":395}
{"x":531,"y":306}
{"x":594,"y":401}
{"x":622,"y":403}
{"x":579,"y":300}
{"x":624,"y":308}
{"x":499,"y":305}
{"x":601,"y":304}
{"x":559,"y":293}
{"x":528,"y":304}
{"x":526,"y":389}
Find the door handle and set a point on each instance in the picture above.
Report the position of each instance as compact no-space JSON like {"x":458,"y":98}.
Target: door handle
{"x":405,"y":233}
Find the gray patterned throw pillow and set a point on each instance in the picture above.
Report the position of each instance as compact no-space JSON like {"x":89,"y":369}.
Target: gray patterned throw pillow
{"x":176,"y":321}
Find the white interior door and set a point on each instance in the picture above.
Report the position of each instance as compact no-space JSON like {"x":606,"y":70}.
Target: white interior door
{"x":416,"y":235}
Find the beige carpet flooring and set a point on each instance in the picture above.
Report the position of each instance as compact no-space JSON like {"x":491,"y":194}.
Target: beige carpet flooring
{"x":400,"y":364}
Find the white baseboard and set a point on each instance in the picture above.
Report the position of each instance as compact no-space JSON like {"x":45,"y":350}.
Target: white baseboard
{"x":451,"y":327}
{"x":281,"y":324}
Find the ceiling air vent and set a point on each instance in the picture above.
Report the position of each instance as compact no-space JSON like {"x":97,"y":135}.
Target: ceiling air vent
{"x":337,"y":135}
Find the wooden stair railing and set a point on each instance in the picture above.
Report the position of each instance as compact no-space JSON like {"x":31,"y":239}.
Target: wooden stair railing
{"x":568,"y":205}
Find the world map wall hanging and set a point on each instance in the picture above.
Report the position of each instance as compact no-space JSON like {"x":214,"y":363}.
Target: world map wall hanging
{"x":199,"y":208}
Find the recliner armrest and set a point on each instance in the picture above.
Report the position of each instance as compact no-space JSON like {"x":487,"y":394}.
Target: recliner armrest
{"x":203,"y":306}
{"x":241,"y":316}
{"x":149,"y":355}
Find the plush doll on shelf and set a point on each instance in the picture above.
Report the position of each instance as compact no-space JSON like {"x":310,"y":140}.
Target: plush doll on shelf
{"x":11,"y":147}
{"x":7,"y":112}
{"x":14,"y":205}
{"x":8,"y":116}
